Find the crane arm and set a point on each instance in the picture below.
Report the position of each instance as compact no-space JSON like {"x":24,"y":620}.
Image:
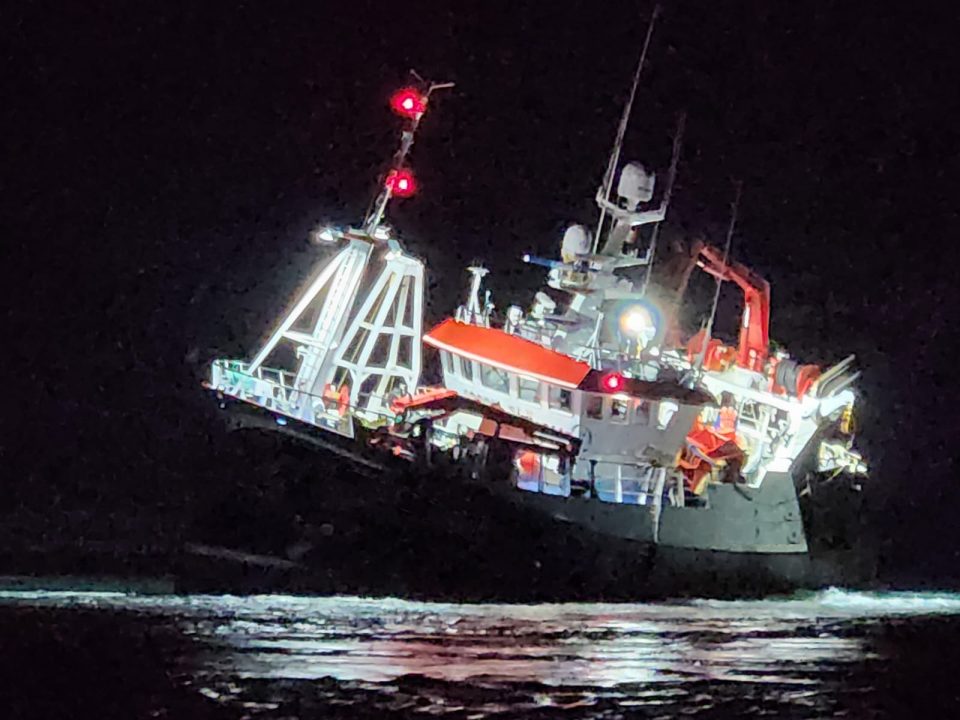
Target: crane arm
{"x":755,"y":326}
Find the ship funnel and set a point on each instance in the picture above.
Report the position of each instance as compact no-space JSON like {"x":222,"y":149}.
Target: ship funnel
{"x":636,"y":184}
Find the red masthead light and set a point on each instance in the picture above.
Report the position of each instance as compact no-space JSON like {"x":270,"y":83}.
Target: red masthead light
{"x":401,"y":183}
{"x":408,"y":102}
{"x":612,"y":382}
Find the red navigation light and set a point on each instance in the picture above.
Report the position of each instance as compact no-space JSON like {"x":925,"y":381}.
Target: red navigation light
{"x":408,"y":103}
{"x":401,"y":183}
{"x":612,"y":382}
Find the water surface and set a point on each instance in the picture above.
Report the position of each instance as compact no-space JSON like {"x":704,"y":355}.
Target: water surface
{"x":832,"y":653}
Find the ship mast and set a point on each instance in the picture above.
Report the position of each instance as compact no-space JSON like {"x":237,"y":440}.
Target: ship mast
{"x":622,"y":129}
{"x":410,"y":104}
{"x":671,"y":177}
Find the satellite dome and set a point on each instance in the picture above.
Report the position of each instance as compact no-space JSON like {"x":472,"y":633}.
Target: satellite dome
{"x":576,"y":241}
{"x":636,"y":184}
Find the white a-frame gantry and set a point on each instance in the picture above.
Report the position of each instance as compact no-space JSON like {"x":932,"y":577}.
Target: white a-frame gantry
{"x":357,"y":334}
{"x":379,"y":356}
{"x":357,"y":329}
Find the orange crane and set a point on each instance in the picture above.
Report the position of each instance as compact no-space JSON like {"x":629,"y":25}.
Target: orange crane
{"x":754,"y":343}
{"x":752,"y":352}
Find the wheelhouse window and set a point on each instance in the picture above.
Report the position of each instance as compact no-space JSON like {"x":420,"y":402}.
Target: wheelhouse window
{"x":665,"y":413}
{"x":466,"y":369}
{"x":641,"y":413}
{"x":494,"y":378}
{"x":559,"y":399}
{"x":619,"y":410}
{"x":528,"y":389}
{"x":595,"y":407}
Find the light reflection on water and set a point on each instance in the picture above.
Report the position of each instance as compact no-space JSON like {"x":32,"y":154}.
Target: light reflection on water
{"x":577,"y":655}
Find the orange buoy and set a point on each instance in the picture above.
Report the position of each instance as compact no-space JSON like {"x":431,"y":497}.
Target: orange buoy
{"x":529,"y":463}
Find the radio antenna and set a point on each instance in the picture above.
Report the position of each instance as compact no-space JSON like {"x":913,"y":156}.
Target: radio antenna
{"x":621,"y":131}
{"x":726,"y":259}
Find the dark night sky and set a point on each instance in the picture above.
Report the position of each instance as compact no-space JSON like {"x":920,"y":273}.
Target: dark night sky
{"x":165,"y":161}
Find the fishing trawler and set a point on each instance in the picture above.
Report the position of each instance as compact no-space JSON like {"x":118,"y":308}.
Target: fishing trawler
{"x":716,"y":463}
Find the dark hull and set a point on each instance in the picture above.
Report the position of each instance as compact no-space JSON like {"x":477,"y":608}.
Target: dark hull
{"x":334,"y":520}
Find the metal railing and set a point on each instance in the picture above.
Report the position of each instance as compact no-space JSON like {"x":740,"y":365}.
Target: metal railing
{"x":287,"y":404}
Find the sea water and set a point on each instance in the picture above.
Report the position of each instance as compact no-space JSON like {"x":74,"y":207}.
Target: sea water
{"x":832,"y":653}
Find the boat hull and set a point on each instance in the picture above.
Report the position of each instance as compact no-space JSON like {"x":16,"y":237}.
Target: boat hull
{"x":347,"y":522}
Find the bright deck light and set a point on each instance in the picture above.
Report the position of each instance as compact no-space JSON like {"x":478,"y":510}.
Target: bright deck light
{"x":637,"y":322}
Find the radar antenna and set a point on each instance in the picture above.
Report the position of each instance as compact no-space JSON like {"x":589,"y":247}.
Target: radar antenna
{"x":621,"y":131}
